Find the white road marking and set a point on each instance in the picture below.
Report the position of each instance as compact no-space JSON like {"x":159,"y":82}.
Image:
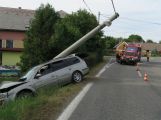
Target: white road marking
{"x":75,"y":102}
{"x":139,"y":73}
{"x":109,"y":64}
{"x":101,"y":71}
{"x":73,"y":105}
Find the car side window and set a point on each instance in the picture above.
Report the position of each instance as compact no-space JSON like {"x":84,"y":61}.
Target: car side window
{"x":45,"y":70}
{"x":57,"y":65}
{"x":71,"y":61}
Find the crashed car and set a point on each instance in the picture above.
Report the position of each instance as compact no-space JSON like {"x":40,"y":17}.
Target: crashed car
{"x":55,"y":72}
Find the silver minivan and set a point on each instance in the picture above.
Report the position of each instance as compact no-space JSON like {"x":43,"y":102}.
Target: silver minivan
{"x":55,"y":72}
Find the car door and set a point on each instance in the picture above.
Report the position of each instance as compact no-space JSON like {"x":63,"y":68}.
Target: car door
{"x":71,"y":66}
{"x":61,"y":71}
{"x":46,"y":76}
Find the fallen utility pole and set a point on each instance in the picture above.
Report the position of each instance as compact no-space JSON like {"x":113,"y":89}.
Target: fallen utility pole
{"x":87,"y":36}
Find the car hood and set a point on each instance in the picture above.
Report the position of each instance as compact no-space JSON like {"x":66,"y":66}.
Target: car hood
{"x":10,"y":84}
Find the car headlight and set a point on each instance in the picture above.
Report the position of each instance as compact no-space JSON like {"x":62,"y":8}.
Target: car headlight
{"x":3,"y":95}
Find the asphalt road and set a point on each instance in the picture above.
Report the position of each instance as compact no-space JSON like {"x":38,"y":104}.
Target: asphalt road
{"x":120,"y":93}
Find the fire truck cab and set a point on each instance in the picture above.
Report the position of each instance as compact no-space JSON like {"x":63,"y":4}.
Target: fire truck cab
{"x":132,"y":54}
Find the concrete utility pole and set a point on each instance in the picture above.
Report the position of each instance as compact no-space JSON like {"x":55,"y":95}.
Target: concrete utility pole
{"x":99,"y":13}
{"x":87,"y":36}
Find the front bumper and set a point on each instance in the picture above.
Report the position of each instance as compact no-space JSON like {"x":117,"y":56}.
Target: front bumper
{"x":129,"y":60}
{"x":3,"y":98}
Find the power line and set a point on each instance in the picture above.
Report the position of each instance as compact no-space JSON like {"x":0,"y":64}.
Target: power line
{"x":113,"y":6}
{"x":135,"y":20}
{"x":105,"y":16}
{"x":87,"y":6}
{"x":142,"y":21}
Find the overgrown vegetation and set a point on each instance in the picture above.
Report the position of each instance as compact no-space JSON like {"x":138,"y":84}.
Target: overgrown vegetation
{"x":37,"y":48}
{"x":42,"y":107}
{"x":8,"y":79}
{"x":155,"y":53}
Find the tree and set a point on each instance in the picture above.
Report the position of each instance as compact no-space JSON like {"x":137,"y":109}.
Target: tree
{"x":135,"y":38}
{"x":75,"y":26}
{"x":37,"y":47}
{"x":160,"y":42}
{"x":48,"y":35}
{"x":149,"y":41}
{"x":110,"y":42}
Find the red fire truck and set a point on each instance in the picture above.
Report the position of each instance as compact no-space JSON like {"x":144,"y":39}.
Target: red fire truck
{"x":132,"y":54}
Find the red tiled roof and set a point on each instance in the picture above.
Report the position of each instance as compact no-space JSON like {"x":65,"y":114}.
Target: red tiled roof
{"x":151,"y":46}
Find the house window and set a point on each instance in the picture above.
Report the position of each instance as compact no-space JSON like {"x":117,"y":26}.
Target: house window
{"x":9,"y":43}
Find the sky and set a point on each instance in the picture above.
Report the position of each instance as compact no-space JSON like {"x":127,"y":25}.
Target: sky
{"x":141,"y":17}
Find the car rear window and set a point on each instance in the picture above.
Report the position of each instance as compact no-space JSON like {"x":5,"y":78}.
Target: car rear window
{"x":71,"y":61}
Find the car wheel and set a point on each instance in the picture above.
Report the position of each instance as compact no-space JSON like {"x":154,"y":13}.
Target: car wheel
{"x":25,"y":94}
{"x":77,"y":77}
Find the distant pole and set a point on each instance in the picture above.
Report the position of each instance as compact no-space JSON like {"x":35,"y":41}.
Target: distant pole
{"x":99,"y":16}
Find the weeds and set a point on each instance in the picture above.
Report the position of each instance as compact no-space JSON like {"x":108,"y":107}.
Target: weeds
{"x":41,"y":107}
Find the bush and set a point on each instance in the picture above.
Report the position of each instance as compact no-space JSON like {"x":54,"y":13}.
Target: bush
{"x":93,"y":59}
{"x":155,"y":53}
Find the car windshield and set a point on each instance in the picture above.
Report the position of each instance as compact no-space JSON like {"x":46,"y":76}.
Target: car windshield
{"x":29,"y":74}
{"x":131,"y":49}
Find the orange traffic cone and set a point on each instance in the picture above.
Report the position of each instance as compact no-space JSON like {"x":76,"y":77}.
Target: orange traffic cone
{"x":145,"y":77}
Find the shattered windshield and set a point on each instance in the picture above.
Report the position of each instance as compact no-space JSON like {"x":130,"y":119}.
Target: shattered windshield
{"x":29,"y":74}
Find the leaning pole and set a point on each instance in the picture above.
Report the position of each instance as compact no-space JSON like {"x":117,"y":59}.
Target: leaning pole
{"x":86,"y":37}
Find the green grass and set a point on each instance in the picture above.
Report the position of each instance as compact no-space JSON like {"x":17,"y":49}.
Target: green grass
{"x":47,"y":104}
{"x":8,"y":79}
{"x":14,"y":110}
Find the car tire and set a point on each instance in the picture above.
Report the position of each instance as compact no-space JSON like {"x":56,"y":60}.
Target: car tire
{"x":77,"y":77}
{"x":25,"y":94}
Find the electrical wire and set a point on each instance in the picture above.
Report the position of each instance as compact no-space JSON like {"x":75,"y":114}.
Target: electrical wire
{"x":141,"y":21}
{"x":105,"y":16}
{"x":113,"y":6}
{"x":135,"y":20}
{"x":87,"y":6}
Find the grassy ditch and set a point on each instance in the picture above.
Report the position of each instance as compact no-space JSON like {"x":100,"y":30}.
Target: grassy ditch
{"x":47,"y":104}
{"x":41,"y":107}
{"x":8,"y":79}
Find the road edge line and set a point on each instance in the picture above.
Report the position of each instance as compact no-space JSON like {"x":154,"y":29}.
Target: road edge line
{"x":65,"y":115}
{"x":104,"y":68}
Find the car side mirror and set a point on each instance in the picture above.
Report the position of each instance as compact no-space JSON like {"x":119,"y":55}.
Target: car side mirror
{"x":38,"y":75}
